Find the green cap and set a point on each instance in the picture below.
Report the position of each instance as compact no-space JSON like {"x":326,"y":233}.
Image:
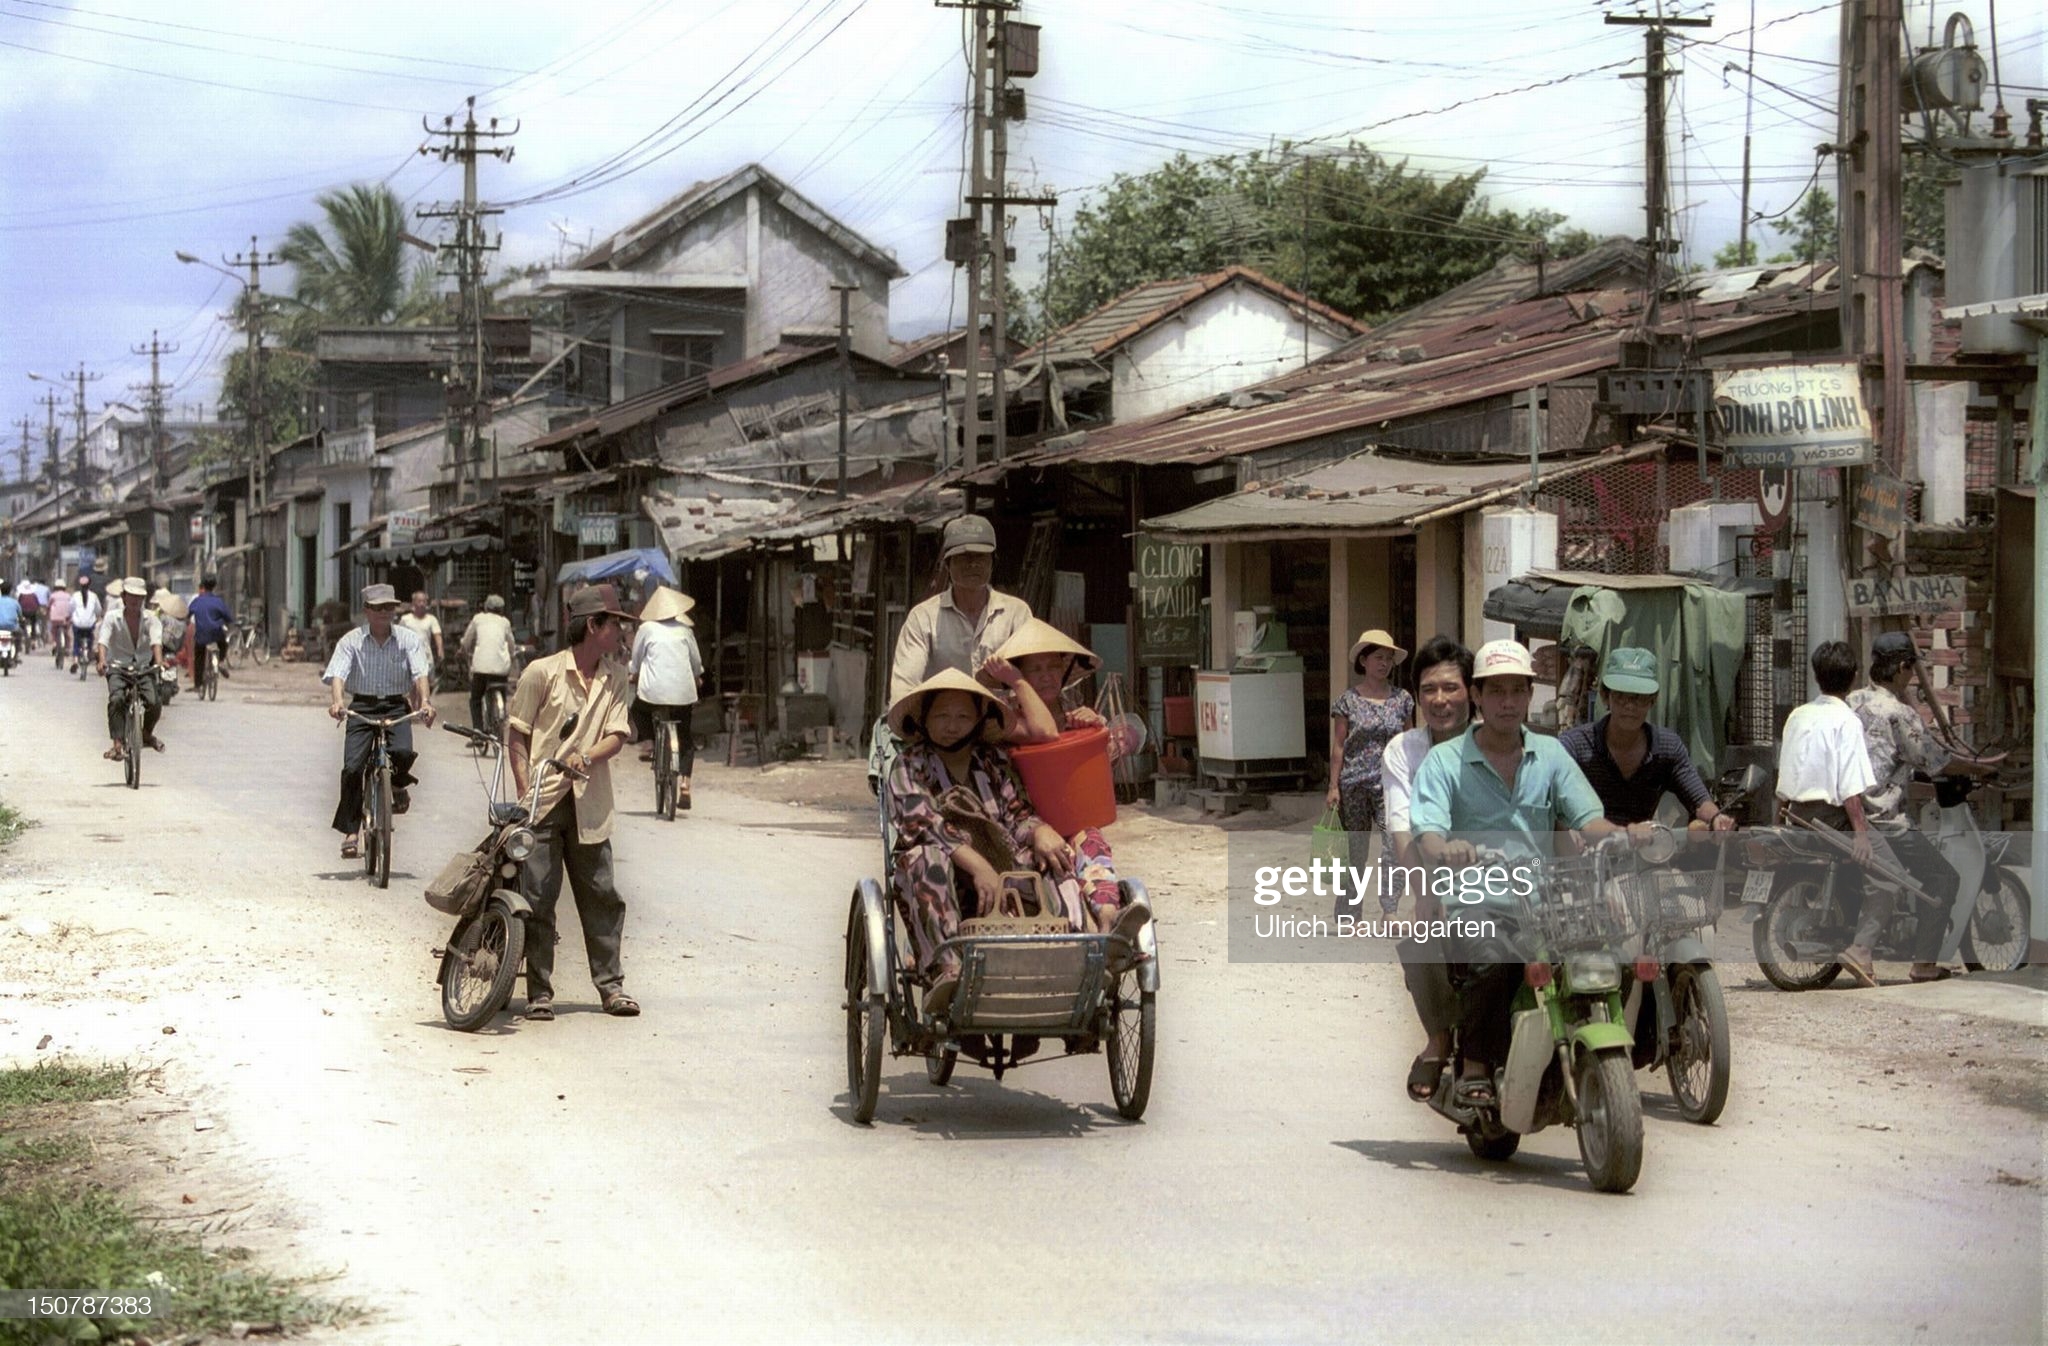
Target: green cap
{"x":1630,"y":670}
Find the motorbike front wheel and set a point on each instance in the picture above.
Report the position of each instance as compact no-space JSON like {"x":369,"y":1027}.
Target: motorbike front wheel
{"x":1610,"y":1121}
{"x":1996,"y":938}
{"x":1794,"y":911}
{"x":1699,"y":1055}
{"x":483,"y":956}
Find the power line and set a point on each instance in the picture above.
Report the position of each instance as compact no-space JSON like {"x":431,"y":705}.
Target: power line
{"x":208,"y":83}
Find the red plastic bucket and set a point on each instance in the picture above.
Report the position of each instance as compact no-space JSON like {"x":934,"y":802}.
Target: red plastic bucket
{"x":1069,"y":780}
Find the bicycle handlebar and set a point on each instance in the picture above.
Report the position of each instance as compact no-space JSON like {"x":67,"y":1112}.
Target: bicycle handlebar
{"x":384,"y":724}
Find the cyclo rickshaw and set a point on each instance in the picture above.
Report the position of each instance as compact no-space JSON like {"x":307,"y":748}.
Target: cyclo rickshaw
{"x":1022,"y":979}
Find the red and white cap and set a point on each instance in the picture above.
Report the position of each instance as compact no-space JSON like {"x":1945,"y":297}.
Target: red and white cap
{"x":1502,"y":658}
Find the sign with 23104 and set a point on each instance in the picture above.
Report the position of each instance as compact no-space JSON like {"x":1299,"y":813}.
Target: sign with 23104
{"x":1169,"y":601}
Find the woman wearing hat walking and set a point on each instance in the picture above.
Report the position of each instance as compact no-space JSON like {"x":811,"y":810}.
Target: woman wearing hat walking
{"x":1363,"y":721}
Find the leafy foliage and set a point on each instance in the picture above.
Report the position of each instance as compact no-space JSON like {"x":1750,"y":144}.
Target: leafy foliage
{"x":353,"y":269}
{"x":1360,"y":232}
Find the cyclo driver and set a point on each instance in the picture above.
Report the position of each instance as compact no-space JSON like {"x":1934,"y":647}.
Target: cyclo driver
{"x":1499,"y":780}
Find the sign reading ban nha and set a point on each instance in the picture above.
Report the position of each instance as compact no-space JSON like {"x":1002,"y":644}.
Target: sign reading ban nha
{"x":1906,"y":595}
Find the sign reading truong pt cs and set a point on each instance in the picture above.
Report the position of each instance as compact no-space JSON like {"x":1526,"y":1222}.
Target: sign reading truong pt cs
{"x":1792,"y":416}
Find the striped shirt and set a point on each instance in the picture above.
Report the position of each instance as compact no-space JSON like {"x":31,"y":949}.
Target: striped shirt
{"x":373,"y":669}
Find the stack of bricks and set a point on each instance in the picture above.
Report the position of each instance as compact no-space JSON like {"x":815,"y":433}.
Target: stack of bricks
{"x":1957,"y":644}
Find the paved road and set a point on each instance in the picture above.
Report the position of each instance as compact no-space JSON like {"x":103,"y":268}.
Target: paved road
{"x":693,"y":1174}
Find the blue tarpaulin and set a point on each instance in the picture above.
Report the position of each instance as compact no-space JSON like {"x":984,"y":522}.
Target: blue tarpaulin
{"x":617,"y":563}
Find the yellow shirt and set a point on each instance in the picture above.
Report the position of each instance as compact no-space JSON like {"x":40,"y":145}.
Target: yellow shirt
{"x":549,"y":692}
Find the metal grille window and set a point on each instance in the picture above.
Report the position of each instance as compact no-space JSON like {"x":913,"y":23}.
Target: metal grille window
{"x":1614,"y":521}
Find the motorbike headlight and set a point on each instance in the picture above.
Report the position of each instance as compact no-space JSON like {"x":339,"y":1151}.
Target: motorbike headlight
{"x":519,"y":845}
{"x":1592,"y":972}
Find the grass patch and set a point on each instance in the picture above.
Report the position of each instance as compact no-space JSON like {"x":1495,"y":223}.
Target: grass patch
{"x":12,"y":822}
{"x":64,"y":1227}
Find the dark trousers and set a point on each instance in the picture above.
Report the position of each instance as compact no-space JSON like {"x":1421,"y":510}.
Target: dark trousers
{"x":1484,"y":984}
{"x":686,"y":745}
{"x":479,"y":685}
{"x":1871,"y":903}
{"x":199,"y":649}
{"x":1429,"y":986}
{"x":355,"y":753}
{"x":81,"y":643}
{"x":117,"y":707}
{"x":599,"y":908}
{"x":1917,"y":853}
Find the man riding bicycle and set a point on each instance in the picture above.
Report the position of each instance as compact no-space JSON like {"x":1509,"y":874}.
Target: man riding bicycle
{"x":86,"y":614}
{"x":210,"y":618}
{"x":379,"y":671}
{"x":487,"y":640}
{"x":131,"y":638}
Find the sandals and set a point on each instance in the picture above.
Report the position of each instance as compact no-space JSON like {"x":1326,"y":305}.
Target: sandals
{"x":1424,"y":1074}
{"x":1474,"y":1093}
{"x":117,"y":753}
{"x":940,"y":997}
{"x":617,"y":1004}
{"x":1939,"y":974}
{"x":1859,"y":969}
{"x":540,"y":1011}
{"x":351,"y":849}
{"x":155,"y":744}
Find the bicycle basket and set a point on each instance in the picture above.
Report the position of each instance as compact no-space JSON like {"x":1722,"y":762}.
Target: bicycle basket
{"x":461,"y":884}
{"x":1678,"y":900}
{"x":1581,"y":904}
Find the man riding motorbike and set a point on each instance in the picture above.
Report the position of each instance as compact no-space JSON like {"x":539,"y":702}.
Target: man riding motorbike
{"x":1515,"y":789}
{"x":1899,"y":744}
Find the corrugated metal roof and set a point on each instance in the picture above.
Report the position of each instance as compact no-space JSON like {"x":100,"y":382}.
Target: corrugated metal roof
{"x":1461,"y":359}
{"x":1142,"y":306}
{"x":1369,"y":493}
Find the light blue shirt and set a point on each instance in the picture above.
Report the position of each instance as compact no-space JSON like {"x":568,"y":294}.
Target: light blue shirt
{"x":10,"y":613}
{"x":1459,"y":794}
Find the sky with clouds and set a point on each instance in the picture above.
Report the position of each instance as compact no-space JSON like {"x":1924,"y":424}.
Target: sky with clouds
{"x":138,"y":129}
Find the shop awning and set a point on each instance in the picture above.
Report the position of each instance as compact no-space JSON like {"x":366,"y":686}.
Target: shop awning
{"x":431,"y":551}
{"x":618,"y":563}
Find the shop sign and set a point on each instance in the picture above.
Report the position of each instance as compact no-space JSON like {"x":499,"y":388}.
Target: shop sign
{"x":1169,"y":592}
{"x":1906,"y":595}
{"x":1881,"y":504}
{"x":402,"y":526}
{"x":597,"y":530}
{"x":1792,"y":416}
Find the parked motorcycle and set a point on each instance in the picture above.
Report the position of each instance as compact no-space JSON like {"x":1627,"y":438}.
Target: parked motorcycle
{"x":1809,"y":912}
{"x":1568,"y":1060}
{"x":487,"y":949}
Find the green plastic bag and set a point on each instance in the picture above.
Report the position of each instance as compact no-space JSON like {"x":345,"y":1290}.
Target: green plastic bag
{"x":1329,"y":841}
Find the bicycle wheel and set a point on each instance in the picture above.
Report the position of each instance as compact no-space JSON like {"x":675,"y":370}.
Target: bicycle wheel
{"x":381,"y":826}
{"x":494,"y":713}
{"x":212,"y":674}
{"x":664,"y":774}
{"x":131,"y":766}
{"x":259,"y":647}
{"x":483,"y":957}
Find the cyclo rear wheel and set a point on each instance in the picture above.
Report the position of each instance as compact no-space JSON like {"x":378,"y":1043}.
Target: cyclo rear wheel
{"x":866,"y":1021}
{"x":483,"y":957}
{"x":1130,"y":1044}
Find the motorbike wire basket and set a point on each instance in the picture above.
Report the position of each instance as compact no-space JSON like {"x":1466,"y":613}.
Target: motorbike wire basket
{"x":1580,"y":903}
{"x":1678,"y":900}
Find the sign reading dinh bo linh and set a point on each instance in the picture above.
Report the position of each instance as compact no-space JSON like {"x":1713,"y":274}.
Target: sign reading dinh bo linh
{"x":1792,"y":416}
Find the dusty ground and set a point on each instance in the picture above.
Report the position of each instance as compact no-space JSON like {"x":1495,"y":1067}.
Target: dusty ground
{"x":693,"y":1175}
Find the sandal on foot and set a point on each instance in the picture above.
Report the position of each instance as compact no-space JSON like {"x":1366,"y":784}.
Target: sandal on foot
{"x":115,"y":754}
{"x":351,"y":849}
{"x":540,"y":1010}
{"x":1474,"y":1093}
{"x":620,"y":1005}
{"x":1859,"y":969}
{"x":1939,"y":974}
{"x":155,"y":744}
{"x":1424,"y":1075}
{"x":940,"y":997}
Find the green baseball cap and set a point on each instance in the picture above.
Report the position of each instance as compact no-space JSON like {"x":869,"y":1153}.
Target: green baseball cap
{"x":1630,"y":670}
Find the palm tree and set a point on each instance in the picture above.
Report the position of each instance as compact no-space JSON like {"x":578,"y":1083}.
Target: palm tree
{"x":354,"y":271}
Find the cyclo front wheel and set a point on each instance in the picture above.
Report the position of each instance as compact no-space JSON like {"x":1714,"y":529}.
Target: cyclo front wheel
{"x":1610,"y":1121}
{"x":131,"y":770}
{"x":1699,"y":1058}
{"x":483,"y":957}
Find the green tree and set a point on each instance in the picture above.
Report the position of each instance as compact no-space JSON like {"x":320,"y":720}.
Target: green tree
{"x":1363,"y":233}
{"x":1735,"y":253}
{"x":1926,"y":193}
{"x":1811,"y":228}
{"x":352,"y":268}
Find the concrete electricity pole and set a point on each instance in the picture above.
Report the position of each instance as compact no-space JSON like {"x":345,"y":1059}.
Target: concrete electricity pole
{"x":26,"y":425}
{"x":252,"y":415}
{"x":464,"y":257}
{"x":1656,"y":175}
{"x":845,"y":292}
{"x":49,"y":401}
{"x":153,"y":407}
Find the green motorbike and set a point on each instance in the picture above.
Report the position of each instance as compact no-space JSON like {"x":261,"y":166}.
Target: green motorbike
{"x":1568,"y":1059}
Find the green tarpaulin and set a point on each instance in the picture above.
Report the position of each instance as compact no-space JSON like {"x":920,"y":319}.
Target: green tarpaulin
{"x":1697,"y":633}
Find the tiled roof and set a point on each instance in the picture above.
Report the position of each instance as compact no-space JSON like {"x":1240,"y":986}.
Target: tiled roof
{"x":1143,"y":306}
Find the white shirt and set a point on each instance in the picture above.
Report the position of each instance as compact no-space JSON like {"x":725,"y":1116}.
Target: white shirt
{"x":488,"y":638}
{"x":1402,"y":759}
{"x":666,"y":664}
{"x":1822,"y":757}
{"x":86,"y":611}
{"x":124,"y":648}
{"x":426,"y":628}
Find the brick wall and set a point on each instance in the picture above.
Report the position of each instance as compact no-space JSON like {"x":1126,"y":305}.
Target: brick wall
{"x":1958,"y":643}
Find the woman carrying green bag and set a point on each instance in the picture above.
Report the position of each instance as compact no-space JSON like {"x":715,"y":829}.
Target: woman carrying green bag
{"x":1363,"y":721}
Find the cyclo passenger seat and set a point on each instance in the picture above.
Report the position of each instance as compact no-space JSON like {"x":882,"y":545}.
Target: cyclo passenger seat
{"x":507,"y":813}
{"x":1039,"y":905}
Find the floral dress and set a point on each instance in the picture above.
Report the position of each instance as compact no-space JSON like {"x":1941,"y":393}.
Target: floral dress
{"x":1369,"y":727}
{"x":925,"y":839}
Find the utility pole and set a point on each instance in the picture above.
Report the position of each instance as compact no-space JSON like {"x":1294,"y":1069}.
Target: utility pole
{"x":1656,"y":175}
{"x":845,"y":292}
{"x":26,"y":425}
{"x":252,"y":414}
{"x":153,"y":407}
{"x":1870,"y":213}
{"x":1748,"y":112}
{"x":1003,"y":51}
{"x":49,"y":401}
{"x":464,"y":257}
{"x":79,"y":377}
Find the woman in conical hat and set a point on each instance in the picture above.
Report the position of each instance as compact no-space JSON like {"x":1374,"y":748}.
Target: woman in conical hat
{"x":951,"y":727}
{"x":666,"y":669}
{"x":1036,"y":665}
